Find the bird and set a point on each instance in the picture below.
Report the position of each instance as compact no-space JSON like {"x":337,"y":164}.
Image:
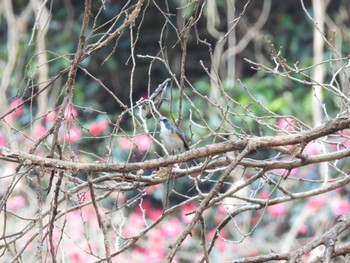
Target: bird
{"x":172,"y":138}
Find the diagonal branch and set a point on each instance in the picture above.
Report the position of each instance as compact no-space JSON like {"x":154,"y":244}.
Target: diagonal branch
{"x":204,"y":205}
{"x":295,"y":256}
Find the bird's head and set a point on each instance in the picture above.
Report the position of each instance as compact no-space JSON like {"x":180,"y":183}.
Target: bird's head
{"x":164,"y":122}
{"x":163,"y":119}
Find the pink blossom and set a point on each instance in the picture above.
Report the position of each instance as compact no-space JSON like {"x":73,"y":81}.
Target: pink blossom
{"x":284,"y":172}
{"x":75,"y":221}
{"x":70,"y":113}
{"x":294,"y":171}
{"x":187,"y":212}
{"x":10,"y":119}
{"x":26,"y":236}
{"x":222,"y":209}
{"x":280,"y":172}
{"x":39,"y":130}
{"x":157,"y":238}
{"x":312,"y":148}
{"x":286,"y":124}
{"x":74,"y":216}
{"x":51,"y":116}
{"x":265,"y":194}
{"x":2,"y":140}
{"x":87,"y":213}
{"x":221,"y":212}
{"x":211,"y":233}
{"x":99,"y":127}
{"x":340,"y":206}
{"x":74,"y":134}
{"x":303,"y":230}
{"x":253,"y":252}
{"x":143,"y":142}
{"x":221,"y":245}
{"x":344,"y":140}
{"x":125,"y":143}
{"x":146,"y":206}
{"x":151,"y":189}
{"x":316,"y":202}
{"x":139,"y":249}
{"x":154,"y":255}
{"x":256,"y":218}
{"x":278,"y":210}
{"x":172,"y":228}
{"x":86,"y":196}
{"x":154,"y":214}
{"x":136,"y":224}
{"x":345,"y":132}
{"x":16,"y":202}
{"x":222,"y":234}
{"x":18,"y":112}
{"x":76,"y":255}
{"x":56,"y":236}
{"x":155,"y":251}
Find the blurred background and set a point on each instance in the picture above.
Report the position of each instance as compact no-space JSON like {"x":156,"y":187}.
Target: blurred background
{"x":235,"y":69}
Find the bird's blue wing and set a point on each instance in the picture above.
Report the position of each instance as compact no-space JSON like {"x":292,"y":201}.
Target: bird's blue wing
{"x":182,"y":137}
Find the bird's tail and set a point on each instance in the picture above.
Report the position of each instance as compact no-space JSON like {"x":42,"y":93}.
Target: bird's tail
{"x":192,"y":163}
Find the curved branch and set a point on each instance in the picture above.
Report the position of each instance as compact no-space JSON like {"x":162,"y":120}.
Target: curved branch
{"x":342,"y":224}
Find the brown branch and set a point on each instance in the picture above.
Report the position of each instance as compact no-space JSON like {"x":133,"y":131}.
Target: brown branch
{"x":341,"y":250}
{"x":264,"y":203}
{"x":205,"y":203}
{"x":204,"y":240}
{"x":39,"y":254}
{"x":132,"y":240}
{"x":342,"y":223}
{"x":34,"y":95}
{"x":78,"y":57}
{"x":117,"y":33}
{"x":100,"y":221}
{"x":330,"y":127}
{"x":53,"y":215}
{"x":184,"y":44}
{"x":226,"y":220}
{"x":295,"y":256}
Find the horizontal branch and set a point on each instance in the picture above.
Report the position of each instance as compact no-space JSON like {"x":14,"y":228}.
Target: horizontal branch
{"x":257,"y":143}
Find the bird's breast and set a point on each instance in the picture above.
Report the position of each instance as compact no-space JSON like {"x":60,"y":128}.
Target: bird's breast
{"x":171,"y":141}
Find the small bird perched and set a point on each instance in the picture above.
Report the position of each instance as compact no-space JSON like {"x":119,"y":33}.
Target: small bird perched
{"x":171,"y":137}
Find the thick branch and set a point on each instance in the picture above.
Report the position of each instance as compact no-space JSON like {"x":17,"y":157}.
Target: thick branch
{"x":210,"y":150}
